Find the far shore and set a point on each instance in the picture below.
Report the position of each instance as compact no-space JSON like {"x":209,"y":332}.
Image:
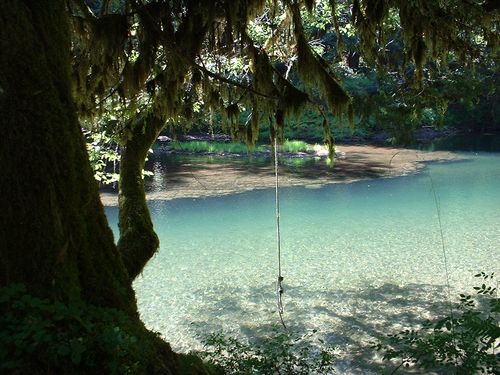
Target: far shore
{"x":352,"y":163}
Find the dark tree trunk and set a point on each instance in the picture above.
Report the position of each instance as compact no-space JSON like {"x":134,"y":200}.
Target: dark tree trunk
{"x":138,"y":240}
{"x":54,"y":237}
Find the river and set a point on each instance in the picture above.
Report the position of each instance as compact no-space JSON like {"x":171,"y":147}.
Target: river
{"x":359,"y":259}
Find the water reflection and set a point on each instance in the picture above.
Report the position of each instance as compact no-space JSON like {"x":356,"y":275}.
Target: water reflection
{"x":359,"y":259}
{"x":475,"y":143}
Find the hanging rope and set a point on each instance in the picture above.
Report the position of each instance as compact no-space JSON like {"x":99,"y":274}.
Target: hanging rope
{"x":445,"y":259}
{"x":443,"y":249}
{"x":279,"y":286}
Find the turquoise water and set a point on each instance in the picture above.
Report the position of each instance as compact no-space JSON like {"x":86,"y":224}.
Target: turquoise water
{"x":359,"y":259}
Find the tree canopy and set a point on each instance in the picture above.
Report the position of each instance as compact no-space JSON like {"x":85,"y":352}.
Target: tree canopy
{"x":166,"y":57}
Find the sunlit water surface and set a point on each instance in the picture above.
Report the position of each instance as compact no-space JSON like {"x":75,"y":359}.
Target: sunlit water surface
{"x":359,"y":260}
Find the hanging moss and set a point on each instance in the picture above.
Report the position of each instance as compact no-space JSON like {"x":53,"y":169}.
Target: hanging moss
{"x":312,"y":68}
{"x":262,"y":70}
{"x":99,"y":42}
{"x":309,"y":4}
{"x":376,"y":11}
{"x":428,"y":28}
{"x":336,"y":25}
{"x":292,"y":100}
{"x":328,"y":139}
{"x":110,"y":33}
{"x":254,"y":127}
{"x":231,"y":115}
{"x":419,"y":49}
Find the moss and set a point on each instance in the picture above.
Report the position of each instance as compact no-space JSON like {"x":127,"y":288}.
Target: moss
{"x":138,"y":241}
{"x":262,"y":70}
{"x":309,"y":4}
{"x":292,"y":100}
{"x":44,"y":336}
{"x":312,"y":69}
{"x":336,"y":25}
{"x":55,"y":236}
{"x":419,"y":50}
{"x":64,"y":247}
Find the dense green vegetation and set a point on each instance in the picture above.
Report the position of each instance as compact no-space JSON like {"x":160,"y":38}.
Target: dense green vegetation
{"x":464,"y":342}
{"x":389,"y":96}
{"x":43,"y":336}
{"x":132,"y":68}
{"x":279,"y":353}
{"x":213,"y":147}
{"x":236,"y":148}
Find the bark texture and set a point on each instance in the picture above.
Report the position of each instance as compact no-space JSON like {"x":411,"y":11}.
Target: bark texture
{"x":138,"y":240}
{"x":54,"y":235}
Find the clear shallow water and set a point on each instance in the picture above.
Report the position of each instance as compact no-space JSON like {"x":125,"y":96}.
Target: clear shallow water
{"x":359,"y":259}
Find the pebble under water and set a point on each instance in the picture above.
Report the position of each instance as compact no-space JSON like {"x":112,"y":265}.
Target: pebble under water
{"x":359,"y":259}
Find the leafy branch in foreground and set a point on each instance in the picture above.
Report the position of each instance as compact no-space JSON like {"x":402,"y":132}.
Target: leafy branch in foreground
{"x":44,"y":336}
{"x":103,"y":152}
{"x":280,"y":353}
{"x":104,"y":156}
{"x":466,"y":342}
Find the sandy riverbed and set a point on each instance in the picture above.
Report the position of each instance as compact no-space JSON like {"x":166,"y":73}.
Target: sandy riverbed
{"x":353,"y":163}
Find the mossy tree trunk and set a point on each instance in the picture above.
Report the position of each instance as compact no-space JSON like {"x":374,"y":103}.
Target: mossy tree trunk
{"x":54,"y":234}
{"x":54,"y":237}
{"x":138,"y":240}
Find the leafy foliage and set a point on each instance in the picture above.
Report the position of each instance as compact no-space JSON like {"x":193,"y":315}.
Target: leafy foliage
{"x":465,"y":342}
{"x":295,"y":146}
{"x":42,"y":336}
{"x":103,"y":153}
{"x":212,"y":147}
{"x":280,"y":353}
{"x":167,"y":61}
{"x":292,"y":146}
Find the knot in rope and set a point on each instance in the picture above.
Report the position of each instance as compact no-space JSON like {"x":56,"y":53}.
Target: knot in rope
{"x":279,"y":293}
{"x":279,"y":286}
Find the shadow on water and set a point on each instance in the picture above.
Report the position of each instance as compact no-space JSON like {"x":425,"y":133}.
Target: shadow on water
{"x":356,"y":318}
{"x":181,"y":170}
{"x":475,"y":143}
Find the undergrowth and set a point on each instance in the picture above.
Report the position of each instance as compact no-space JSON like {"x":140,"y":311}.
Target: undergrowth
{"x":278,"y":353}
{"x":237,"y":148}
{"x":40,"y":336}
{"x":213,"y":147}
{"x":465,"y":342}
{"x":295,"y":146}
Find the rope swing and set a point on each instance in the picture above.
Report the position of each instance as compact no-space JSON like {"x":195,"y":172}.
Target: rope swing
{"x":279,"y":287}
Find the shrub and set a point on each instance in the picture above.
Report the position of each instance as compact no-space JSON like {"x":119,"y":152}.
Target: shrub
{"x":464,"y":342}
{"x":43,"y":336}
{"x":280,"y":353}
{"x":213,"y":147}
{"x":295,"y":146}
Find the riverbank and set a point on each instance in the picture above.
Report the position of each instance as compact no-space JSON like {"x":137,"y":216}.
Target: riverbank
{"x":222,"y":176}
